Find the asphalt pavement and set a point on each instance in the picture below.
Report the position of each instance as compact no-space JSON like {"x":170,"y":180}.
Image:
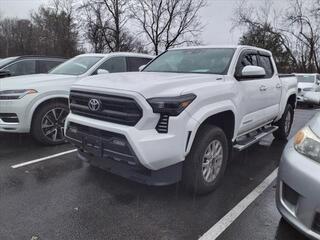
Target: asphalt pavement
{"x":64,"y":198}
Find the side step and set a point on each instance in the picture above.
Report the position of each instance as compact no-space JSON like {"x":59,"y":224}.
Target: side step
{"x":252,"y":138}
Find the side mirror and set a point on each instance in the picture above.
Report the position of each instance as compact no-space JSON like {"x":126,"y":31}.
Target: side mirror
{"x":102,"y":71}
{"x":253,"y":72}
{"x":4,"y":73}
{"x":142,"y":67}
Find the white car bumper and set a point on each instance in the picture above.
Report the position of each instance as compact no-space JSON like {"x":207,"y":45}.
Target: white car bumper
{"x":13,"y":115}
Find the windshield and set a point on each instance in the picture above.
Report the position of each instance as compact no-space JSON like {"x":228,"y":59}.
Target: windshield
{"x":5,"y":61}
{"x":210,"y":61}
{"x":76,"y":66}
{"x":306,"y":78}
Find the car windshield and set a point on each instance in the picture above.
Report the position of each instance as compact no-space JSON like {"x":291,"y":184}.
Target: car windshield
{"x":76,"y":66}
{"x":5,"y":61}
{"x":306,"y":78}
{"x":204,"y":60}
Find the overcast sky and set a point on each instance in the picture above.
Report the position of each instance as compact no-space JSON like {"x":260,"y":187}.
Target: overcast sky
{"x":217,"y":17}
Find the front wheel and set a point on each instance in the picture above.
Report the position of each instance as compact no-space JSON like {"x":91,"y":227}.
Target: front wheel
{"x":284,"y":124}
{"x":206,"y":163}
{"x":48,"y":123}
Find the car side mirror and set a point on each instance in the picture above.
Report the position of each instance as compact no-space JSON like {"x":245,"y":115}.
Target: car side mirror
{"x":253,"y":72}
{"x":5,"y":73}
{"x":142,"y":67}
{"x":102,"y":71}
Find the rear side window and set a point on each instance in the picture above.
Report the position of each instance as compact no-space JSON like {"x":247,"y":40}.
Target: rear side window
{"x":114,"y":65}
{"x":23,"y":67}
{"x":266,"y":63}
{"x":133,"y":63}
{"x":44,"y":66}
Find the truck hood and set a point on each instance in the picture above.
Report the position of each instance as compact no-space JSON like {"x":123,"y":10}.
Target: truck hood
{"x":149,"y":84}
{"x":32,"y":81}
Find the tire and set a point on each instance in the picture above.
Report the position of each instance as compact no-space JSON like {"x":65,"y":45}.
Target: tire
{"x":49,"y":120}
{"x":284,"y":130}
{"x":193,"y":176}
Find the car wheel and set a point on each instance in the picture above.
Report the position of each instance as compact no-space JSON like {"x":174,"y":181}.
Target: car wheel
{"x":48,"y":123}
{"x":206,"y":163}
{"x":284,"y":124}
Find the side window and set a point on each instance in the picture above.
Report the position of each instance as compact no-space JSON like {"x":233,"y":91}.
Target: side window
{"x":266,"y":63}
{"x":114,"y":65}
{"x":44,"y":66}
{"x":22,"y":67}
{"x":249,"y":59}
{"x":133,"y":63}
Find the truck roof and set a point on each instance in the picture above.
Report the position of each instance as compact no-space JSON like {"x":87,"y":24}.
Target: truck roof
{"x":223,"y":46}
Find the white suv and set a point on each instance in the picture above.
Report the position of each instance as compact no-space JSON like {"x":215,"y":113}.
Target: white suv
{"x":39,"y":103}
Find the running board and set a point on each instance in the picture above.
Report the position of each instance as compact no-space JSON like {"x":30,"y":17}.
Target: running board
{"x":250,"y":140}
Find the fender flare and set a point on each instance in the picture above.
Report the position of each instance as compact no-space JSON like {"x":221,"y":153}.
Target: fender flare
{"x":208,"y":111}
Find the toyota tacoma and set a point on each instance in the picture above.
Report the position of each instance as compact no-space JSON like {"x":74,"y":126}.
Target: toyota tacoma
{"x":180,"y":117}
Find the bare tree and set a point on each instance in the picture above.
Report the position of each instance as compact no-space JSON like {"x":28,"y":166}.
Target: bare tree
{"x":297,"y":32}
{"x":303,"y":26}
{"x":105,"y":26}
{"x":168,"y":23}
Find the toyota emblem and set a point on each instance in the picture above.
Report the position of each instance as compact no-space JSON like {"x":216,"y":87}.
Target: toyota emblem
{"x":94,"y":104}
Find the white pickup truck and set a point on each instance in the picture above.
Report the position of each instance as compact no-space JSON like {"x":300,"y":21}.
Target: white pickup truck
{"x":181,"y":116}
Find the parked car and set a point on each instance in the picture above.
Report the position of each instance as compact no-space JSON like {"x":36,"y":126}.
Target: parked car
{"x":180,"y":117}
{"x":298,"y":191}
{"x":24,"y":65}
{"x":307,"y":83}
{"x":39,"y":103}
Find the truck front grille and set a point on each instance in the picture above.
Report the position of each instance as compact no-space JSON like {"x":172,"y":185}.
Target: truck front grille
{"x":110,"y":108}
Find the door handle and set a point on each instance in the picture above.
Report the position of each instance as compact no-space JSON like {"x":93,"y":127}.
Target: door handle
{"x":278,"y":85}
{"x":263,"y":88}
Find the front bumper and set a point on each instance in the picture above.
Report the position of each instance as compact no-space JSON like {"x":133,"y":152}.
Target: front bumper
{"x":153,"y":150}
{"x":298,"y":192}
{"x":17,"y":108}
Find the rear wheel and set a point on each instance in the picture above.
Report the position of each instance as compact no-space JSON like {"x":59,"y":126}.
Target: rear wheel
{"x":205,"y":165}
{"x":48,"y":123}
{"x":284,"y":124}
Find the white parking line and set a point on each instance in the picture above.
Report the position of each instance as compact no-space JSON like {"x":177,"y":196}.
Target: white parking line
{"x":43,"y":159}
{"x":234,"y":213}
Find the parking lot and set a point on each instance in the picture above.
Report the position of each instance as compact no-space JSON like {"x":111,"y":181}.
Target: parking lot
{"x":63,"y":198}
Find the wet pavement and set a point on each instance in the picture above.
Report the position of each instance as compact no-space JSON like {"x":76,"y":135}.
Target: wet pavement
{"x":64,"y":198}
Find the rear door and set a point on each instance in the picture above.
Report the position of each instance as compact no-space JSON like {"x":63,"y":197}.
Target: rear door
{"x":255,"y":100}
{"x":273,"y":86}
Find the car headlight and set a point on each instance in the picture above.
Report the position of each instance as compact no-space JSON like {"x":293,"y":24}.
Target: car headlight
{"x":307,"y":143}
{"x":171,"y":106}
{"x":15,"y":94}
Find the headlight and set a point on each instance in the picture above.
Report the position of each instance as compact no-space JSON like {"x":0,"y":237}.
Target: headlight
{"x":15,"y":94}
{"x":171,"y":106}
{"x":308,"y":144}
